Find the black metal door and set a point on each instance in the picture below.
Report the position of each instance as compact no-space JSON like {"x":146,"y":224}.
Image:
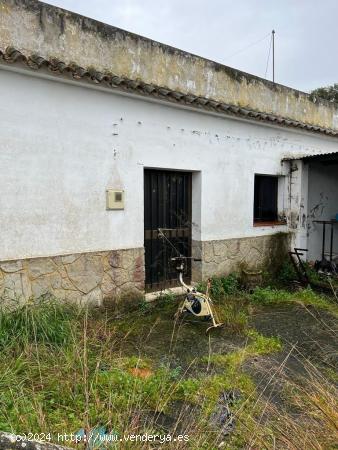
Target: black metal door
{"x":167,"y":205}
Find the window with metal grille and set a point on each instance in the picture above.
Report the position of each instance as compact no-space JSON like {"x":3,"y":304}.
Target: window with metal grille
{"x":266,"y":197}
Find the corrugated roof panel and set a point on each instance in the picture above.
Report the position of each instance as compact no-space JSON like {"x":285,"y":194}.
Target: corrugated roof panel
{"x":307,"y":156}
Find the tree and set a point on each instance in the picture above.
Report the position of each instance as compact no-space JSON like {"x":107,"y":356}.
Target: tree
{"x":329,"y":93}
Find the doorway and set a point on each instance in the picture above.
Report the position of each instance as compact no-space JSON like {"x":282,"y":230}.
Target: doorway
{"x":167,"y":205}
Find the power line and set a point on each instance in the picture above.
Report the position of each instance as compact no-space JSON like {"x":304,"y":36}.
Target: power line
{"x":248,"y":46}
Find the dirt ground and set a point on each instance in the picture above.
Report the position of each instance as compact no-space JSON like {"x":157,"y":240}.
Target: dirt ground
{"x":311,"y":331}
{"x":308,"y":335}
{"x":266,"y":380}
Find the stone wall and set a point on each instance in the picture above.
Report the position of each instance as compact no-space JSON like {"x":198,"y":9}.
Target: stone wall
{"x":221,"y":257}
{"x":86,"y":278}
{"x":113,"y":278}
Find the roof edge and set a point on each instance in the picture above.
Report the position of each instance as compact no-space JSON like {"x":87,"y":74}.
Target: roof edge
{"x":103,"y":27}
{"x":33,"y":27}
{"x":76,"y":72}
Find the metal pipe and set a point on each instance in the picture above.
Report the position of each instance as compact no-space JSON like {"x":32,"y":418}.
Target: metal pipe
{"x":331,"y":243}
{"x":182,"y":282}
{"x":273,"y":56}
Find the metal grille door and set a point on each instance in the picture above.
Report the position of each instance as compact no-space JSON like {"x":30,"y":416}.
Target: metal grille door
{"x":167,"y":205}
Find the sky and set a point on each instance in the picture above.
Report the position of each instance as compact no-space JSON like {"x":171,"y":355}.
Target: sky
{"x":236,"y":33}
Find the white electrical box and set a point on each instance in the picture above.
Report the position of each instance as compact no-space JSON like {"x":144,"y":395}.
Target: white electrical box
{"x":114,"y":199}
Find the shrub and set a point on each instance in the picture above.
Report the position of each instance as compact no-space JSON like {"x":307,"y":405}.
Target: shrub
{"x":287,"y":273}
{"x":221,"y":286}
{"x":230,"y":284}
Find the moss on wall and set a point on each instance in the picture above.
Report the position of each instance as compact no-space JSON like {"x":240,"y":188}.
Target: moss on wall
{"x":33,"y":27}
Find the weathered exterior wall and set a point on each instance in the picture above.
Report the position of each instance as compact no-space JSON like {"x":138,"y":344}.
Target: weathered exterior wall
{"x":63,"y":145}
{"x":36,"y":28}
{"x":298,"y":205}
{"x":313,"y":196}
{"x":92,"y":279}
{"x":223,"y":257}
{"x":322,"y":205}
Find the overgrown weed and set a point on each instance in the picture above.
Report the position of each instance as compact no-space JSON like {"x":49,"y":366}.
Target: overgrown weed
{"x":221,"y":286}
{"x":271,"y":296}
{"x":44,"y":320}
{"x":79,"y":375}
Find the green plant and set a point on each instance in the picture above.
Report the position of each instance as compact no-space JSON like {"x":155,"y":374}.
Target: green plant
{"x":187,"y":389}
{"x":42,"y":320}
{"x":126,"y":373}
{"x":144,"y":306}
{"x":233,"y":315}
{"x":167,"y":297}
{"x":230,"y":284}
{"x":220,"y":286}
{"x":286,"y":273}
{"x":307,"y":297}
{"x":268,"y":295}
{"x":262,"y":345}
{"x":329,"y":93}
{"x":258,"y":344}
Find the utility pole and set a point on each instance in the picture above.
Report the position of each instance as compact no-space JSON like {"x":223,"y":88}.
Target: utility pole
{"x":273,"y":56}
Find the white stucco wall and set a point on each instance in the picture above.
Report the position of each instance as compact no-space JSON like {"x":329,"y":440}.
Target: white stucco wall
{"x":62,"y":145}
{"x":322,"y":205}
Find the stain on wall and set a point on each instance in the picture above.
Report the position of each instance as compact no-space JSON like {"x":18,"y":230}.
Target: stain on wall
{"x":322,"y":205}
{"x":34,"y":27}
{"x":223,"y":257}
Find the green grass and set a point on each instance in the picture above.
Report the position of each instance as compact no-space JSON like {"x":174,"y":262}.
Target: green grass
{"x":66,"y":369}
{"x":271,"y":296}
{"x":232,"y":312}
{"x":63,"y":389}
{"x":275,"y":291}
{"x":257,"y":344}
{"x":231,"y":364}
{"x":44,"y":321}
